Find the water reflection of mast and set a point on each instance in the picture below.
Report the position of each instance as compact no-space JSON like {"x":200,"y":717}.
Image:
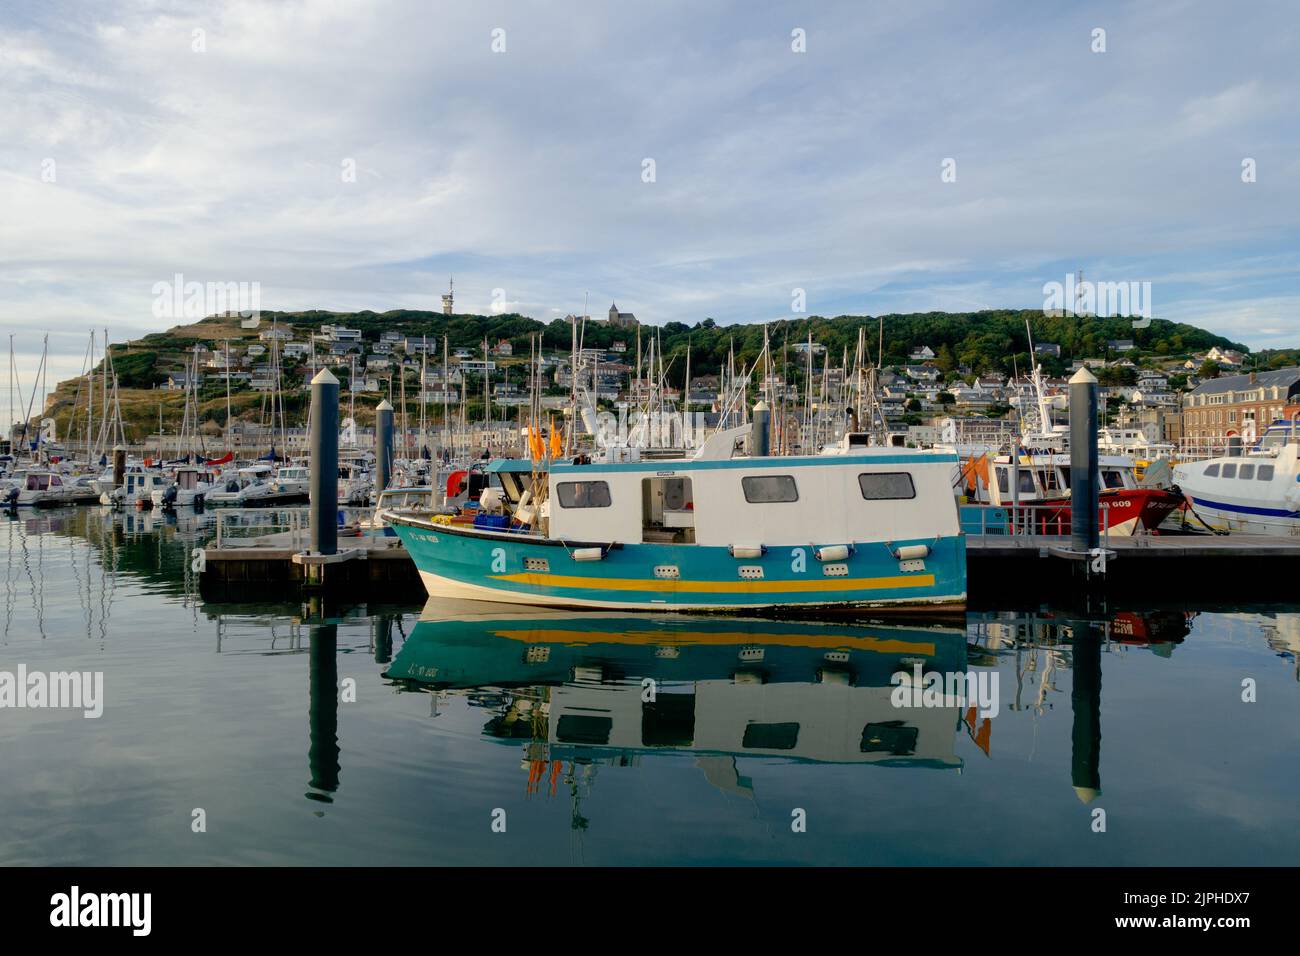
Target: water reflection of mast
{"x":38,"y":590}
{"x":10,"y":594}
{"x":323,"y":712}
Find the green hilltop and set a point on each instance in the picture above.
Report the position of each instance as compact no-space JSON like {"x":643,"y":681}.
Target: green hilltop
{"x":965,"y":344}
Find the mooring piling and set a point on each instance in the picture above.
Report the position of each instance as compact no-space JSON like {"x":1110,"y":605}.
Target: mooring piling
{"x":1085,"y":478}
{"x":324,"y":488}
{"x":383,"y":446}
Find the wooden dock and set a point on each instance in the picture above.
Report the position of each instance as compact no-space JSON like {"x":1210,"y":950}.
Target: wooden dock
{"x":274,"y":567}
{"x":1158,"y":567}
{"x":1000,"y":568}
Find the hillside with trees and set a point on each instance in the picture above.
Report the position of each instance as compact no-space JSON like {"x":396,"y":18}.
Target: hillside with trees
{"x":965,"y":344}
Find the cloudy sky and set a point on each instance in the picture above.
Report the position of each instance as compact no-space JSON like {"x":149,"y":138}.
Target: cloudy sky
{"x":351,"y":155}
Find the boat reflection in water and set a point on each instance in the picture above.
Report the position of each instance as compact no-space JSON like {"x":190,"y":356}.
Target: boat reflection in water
{"x":613,"y":687}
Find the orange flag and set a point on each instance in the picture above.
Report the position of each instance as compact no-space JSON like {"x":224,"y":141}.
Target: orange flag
{"x":557,"y":447}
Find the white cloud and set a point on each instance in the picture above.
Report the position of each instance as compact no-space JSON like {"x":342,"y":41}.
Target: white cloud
{"x":522,"y":170}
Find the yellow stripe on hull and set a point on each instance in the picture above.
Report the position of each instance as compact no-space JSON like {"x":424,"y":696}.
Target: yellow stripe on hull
{"x":667,"y":638}
{"x":717,"y":587}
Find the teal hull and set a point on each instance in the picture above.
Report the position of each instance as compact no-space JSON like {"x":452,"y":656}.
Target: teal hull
{"x":460,"y":563}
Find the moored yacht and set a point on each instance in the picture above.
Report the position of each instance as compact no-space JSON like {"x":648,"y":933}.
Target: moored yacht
{"x":1254,"y":493}
{"x":43,"y":489}
{"x":137,"y":489}
{"x":188,"y":490}
{"x":242,"y":488}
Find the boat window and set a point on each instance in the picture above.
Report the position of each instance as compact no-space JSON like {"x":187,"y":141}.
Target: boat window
{"x":1004,"y":484}
{"x":583,"y":494}
{"x":887,"y":485}
{"x":1230,"y":471}
{"x":583,"y":728}
{"x":1265,"y":473}
{"x":1211,"y":471}
{"x":767,"y":489}
{"x":770,"y":736}
{"x":1247,"y":471}
{"x":891,"y":737}
{"x":1111,"y":478}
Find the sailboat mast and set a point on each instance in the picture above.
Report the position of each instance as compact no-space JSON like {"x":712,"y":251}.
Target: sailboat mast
{"x":227,"y":432}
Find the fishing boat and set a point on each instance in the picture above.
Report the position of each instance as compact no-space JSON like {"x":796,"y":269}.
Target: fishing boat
{"x":1037,"y":497}
{"x":1029,"y":488}
{"x":1253,"y":493}
{"x":877,"y":528}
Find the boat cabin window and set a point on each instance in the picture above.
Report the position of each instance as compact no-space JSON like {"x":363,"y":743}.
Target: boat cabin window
{"x":887,"y":485}
{"x":1265,"y":473}
{"x":767,"y":489}
{"x":1049,"y":478}
{"x":583,"y":728}
{"x":1211,"y":471}
{"x":583,"y":494}
{"x":1230,"y":471}
{"x":1026,"y":480}
{"x":1112,"y":478}
{"x":1247,"y":471}
{"x":770,"y":736}
{"x":891,"y":737}
{"x":667,"y":511}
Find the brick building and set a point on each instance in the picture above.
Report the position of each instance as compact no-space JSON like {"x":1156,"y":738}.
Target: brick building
{"x":1244,"y":405}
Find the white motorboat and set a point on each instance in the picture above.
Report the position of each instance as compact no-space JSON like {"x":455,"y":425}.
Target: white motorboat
{"x":137,"y":489}
{"x":42,"y":489}
{"x":1253,"y":493}
{"x":188,"y":490}
{"x":242,"y":488}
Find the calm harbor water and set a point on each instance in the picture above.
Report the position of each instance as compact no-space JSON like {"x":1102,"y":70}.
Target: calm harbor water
{"x":400,"y":734}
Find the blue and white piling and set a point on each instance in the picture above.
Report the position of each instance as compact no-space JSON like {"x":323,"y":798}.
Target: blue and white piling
{"x":383,"y":446}
{"x":324,"y":488}
{"x":1085,"y":471}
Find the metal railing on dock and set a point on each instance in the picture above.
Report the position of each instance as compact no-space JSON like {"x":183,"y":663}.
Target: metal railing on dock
{"x":245,"y":527}
{"x":1026,"y":520}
